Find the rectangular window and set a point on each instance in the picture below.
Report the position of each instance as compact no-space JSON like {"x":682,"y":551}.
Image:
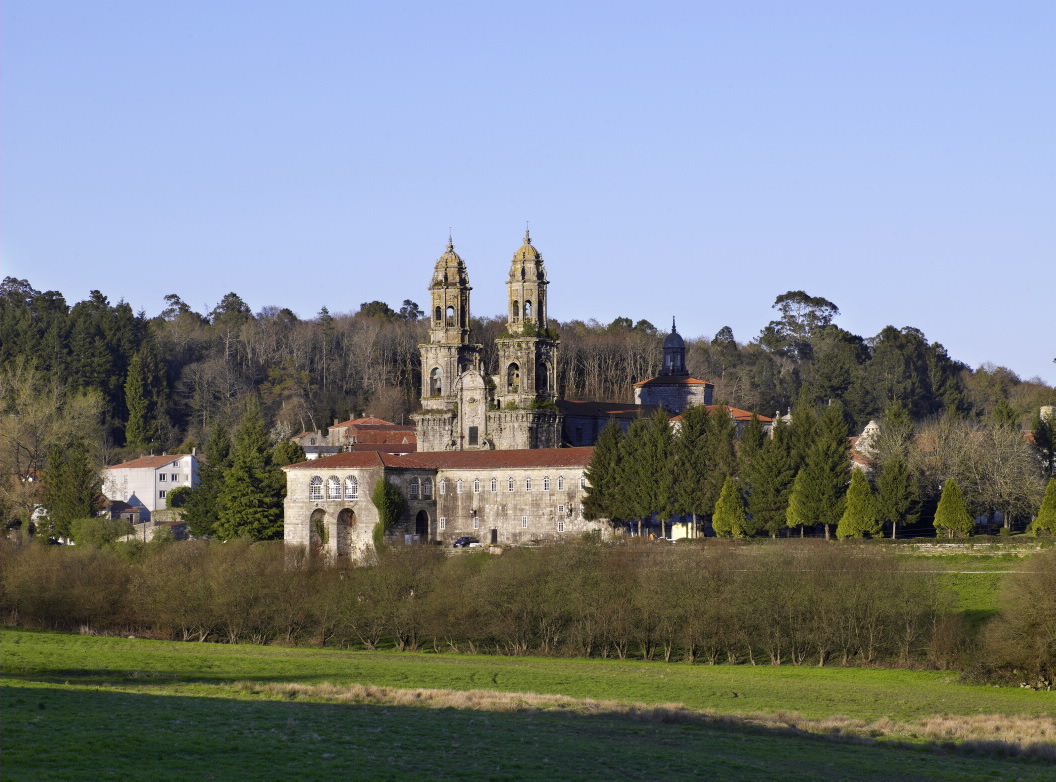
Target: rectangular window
{"x":472,"y":435}
{"x":162,"y":476}
{"x":161,"y":494}
{"x":560,"y":508}
{"x":443,"y":523}
{"x":174,"y":477}
{"x":524,"y":522}
{"x":476,"y":523}
{"x":560,"y":526}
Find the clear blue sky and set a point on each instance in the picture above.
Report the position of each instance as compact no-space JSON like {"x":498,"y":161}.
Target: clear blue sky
{"x":693,"y":159}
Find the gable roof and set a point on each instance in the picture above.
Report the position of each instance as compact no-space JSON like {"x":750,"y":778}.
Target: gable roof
{"x":453,"y":460}
{"x":149,"y":462}
{"x":363,"y":422}
{"x":673,"y":380}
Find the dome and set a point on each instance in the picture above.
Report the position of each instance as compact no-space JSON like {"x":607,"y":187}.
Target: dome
{"x":527,"y":251}
{"x":674,"y":340}
{"x":450,"y":268}
{"x":674,"y":354}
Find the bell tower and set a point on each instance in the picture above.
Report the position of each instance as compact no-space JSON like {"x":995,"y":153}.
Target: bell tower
{"x":526,"y":386}
{"x":448,"y":358}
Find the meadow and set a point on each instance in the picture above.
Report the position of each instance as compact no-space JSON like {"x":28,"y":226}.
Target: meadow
{"x":84,"y":706}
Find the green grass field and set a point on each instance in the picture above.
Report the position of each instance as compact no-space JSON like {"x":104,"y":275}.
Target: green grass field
{"x":102,"y":707}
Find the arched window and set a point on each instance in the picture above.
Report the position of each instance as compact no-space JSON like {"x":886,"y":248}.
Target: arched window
{"x":416,"y":488}
{"x":439,"y":315}
{"x":315,"y":488}
{"x":509,"y":485}
{"x":560,"y":482}
{"x":443,"y":485}
{"x":546,"y":483}
{"x":476,"y":485}
{"x":458,"y":486}
{"x":583,"y":482}
{"x":451,"y":316}
{"x":528,"y":484}
{"x":494,"y":484}
{"x":436,"y":382}
{"x":513,"y":378}
{"x":427,"y":489}
{"x":351,"y":488}
{"x":527,"y":310}
{"x":515,"y":311}
{"x":333,"y":488}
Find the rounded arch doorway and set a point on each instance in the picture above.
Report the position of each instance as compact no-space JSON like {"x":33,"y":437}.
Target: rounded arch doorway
{"x":421,"y":526}
{"x":346,"y":533}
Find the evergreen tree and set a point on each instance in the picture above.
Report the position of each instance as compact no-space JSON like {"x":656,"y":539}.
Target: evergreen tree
{"x":137,"y":432}
{"x":690,"y":456}
{"x":1046,"y":520}
{"x":71,"y":489}
{"x":250,"y":503}
{"x":730,"y":519}
{"x":798,"y":512}
{"x":630,"y":501}
{"x":202,"y":507}
{"x":803,"y":429}
{"x":721,"y":434}
{"x":658,"y":470}
{"x":828,"y":463}
{"x":602,"y":476}
{"x":952,"y":514}
{"x":860,"y":516}
{"x":1003,"y":413}
{"x":750,"y":444}
{"x":288,"y":452}
{"x":895,"y":492}
{"x":770,"y":481}
{"x":1044,"y":437}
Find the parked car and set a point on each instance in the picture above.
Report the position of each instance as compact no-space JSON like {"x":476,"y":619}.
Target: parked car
{"x":466,"y":542}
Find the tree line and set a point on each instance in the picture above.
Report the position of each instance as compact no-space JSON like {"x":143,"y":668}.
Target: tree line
{"x":806,"y":603}
{"x":944,"y":472}
{"x":127,"y":384}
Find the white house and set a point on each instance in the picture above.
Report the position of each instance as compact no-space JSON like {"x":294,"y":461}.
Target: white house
{"x":144,"y":483}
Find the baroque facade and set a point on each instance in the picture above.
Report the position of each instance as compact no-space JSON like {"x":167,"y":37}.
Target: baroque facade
{"x":464,"y":408}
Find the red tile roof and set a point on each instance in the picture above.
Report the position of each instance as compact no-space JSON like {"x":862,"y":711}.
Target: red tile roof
{"x":454,"y":460}
{"x":363,"y":422}
{"x":736,"y":413}
{"x":669,"y":380}
{"x":148,"y":461}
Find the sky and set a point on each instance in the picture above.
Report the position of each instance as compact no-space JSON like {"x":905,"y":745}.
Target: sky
{"x":687,"y":159}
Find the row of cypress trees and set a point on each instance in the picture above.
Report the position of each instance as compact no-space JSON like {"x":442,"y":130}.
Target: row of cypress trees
{"x":797,"y":478}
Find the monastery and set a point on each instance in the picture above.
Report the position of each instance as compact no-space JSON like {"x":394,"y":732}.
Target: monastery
{"x":498,"y":457}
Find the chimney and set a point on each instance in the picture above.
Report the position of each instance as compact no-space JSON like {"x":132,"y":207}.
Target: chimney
{"x":337,"y":421}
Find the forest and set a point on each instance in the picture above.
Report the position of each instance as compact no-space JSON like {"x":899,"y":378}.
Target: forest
{"x":120,"y":383}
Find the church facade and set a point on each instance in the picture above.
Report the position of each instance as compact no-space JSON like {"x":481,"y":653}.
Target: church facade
{"x":501,"y":457}
{"x":464,"y":408}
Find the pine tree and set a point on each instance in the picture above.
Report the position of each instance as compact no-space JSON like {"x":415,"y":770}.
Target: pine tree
{"x":1046,"y":520}
{"x":798,"y":512}
{"x":730,"y":519}
{"x":250,"y":503}
{"x":750,"y":444}
{"x":690,"y":456}
{"x":952,"y":514}
{"x":72,"y":487}
{"x":770,"y":482}
{"x":202,"y":509}
{"x":860,"y":517}
{"x":1044,"y":431}
{"x":827,"y":468}
{"x":630,"y":502}
{"x":288,"y":452}
{"x":894,"y":492}
{"x":137,"y":432}
{"x":602,"y":475}
{"x":658,"y":470}
{"x":721,"y":434}
{"x":803,"y":430}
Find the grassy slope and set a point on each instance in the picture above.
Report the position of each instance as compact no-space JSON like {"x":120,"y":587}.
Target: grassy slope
{"x":94,"y":707}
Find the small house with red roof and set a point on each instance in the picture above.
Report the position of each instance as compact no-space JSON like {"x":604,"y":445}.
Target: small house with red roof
{"x":143,"y":484}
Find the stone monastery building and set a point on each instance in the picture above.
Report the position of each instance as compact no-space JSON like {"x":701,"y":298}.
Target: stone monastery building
{"x":499,"y":457}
